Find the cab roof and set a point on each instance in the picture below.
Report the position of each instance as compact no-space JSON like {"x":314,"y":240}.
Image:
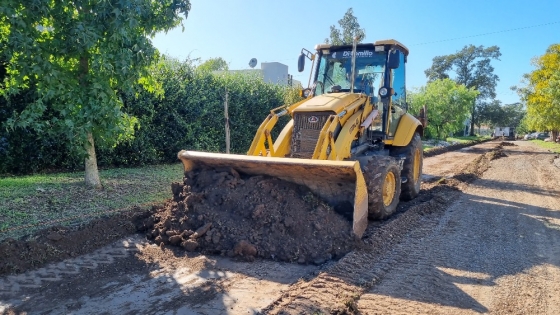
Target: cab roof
{"x":384,"y":42}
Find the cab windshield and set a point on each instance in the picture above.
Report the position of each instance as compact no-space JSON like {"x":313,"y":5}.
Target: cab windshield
{"x":335,"y":68}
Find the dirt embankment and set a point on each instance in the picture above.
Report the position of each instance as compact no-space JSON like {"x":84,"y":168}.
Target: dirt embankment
{"x":221,"y":212}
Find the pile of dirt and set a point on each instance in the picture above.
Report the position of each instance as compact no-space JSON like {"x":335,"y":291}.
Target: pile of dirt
{"x":495,"y":154}
{"x":221,"y":212}
{"x":505,"y":144}
{"x":473,"y":170}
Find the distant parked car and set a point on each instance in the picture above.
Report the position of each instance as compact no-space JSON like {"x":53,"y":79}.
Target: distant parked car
{"x":536,"y":135}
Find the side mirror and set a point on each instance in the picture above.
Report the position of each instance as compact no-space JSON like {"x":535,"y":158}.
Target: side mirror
{"x":301,"y":62}
{"x":394,"y":59}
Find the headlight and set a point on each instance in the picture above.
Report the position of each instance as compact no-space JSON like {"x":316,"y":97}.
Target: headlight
{"x":383,"y":91}
{"x":306,"y":93}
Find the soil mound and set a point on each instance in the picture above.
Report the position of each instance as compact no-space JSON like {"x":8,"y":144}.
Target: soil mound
{"x":495,"y":154}
{"x":505,"y":144}
{"x":221,"y":212}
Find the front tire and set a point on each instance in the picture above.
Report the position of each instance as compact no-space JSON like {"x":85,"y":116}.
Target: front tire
{"x":412,"y":167}
{"x":383,"y":179}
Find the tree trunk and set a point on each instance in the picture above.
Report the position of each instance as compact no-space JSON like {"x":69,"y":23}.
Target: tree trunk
{"x":92,"y":174}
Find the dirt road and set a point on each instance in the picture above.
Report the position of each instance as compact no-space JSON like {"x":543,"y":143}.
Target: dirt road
{"x":495,"y":250}
{"x":491,"y":247}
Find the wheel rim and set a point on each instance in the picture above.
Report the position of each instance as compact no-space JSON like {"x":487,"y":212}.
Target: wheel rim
{"x":389,"y":188}
{"x":416,"y":170}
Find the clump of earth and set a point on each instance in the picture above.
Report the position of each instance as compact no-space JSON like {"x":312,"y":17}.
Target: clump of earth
{"x":223,"y":212}
{"x":505,"y":144}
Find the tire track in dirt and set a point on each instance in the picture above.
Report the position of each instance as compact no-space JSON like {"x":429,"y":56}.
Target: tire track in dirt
{"x":11,"y":285}
{"x":489,"y":253}
{"x":140,"y":277}
{"x":338,"y":288}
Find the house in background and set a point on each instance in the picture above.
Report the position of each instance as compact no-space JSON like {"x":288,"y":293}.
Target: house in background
{"x":271,"y":72}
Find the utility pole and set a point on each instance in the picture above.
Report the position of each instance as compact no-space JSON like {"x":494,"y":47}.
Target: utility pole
{"x":226,"y":115}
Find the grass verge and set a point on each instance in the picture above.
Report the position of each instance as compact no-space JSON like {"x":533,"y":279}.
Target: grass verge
{"x":30,"y":203}
{"x":467,"y":139}
{"x":457,"y":140}
{"x":552,"y":146}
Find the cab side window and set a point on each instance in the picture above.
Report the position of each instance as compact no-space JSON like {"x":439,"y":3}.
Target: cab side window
{"x":399,"y":98}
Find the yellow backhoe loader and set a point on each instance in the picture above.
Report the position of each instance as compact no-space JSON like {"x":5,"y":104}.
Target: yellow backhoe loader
{"x":351,"y":140}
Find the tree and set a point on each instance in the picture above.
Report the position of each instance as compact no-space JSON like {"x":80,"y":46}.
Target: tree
{"x":214,"y":64}
{"x":542,"y":92}
{"x":448,"y":105}
{"x":495,"y":114}
{"x":472,"y":67}
{"x":81,"y":56}
{"x":349,"y":28}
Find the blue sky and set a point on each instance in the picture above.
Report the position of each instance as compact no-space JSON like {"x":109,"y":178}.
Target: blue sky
{"x":238,"y":30}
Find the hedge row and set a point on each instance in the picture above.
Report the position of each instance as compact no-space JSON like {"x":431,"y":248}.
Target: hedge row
{"x":189,"y":116}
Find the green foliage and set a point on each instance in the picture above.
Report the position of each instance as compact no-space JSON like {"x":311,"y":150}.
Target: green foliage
{"x":552,"y":146}
{"x":214,"y":64}
{"x":542,"y":92}
{"x":188,"y":115}
{"x":76,"y":57}
{"x":495,"y":114}
{"x":448,"y":105}
{"x":472,"y":67}
{"x":467,"y":139}
{"x":349,"y":28}
{"x":523,"y":127}
{"x":191,"y":114}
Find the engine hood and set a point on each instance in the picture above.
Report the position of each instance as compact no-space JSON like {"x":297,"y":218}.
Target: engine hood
{"x":334,"y":102}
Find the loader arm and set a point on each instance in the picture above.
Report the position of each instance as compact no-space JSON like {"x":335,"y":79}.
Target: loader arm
{"x":263,"y":144}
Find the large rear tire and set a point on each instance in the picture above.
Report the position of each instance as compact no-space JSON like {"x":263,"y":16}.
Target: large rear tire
{"x":412,"y":167}
{"x":383,"y":179}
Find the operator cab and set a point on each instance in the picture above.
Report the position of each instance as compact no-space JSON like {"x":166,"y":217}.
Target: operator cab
{"x":334,"y":71}
{"x":378,"y":72}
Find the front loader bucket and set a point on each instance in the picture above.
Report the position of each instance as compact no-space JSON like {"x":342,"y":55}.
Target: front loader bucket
{"x":334,"y":181}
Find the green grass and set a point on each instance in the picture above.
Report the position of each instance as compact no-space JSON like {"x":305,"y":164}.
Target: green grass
{"x":467,"y":139}
{"x":28,"y":203}
{"x":552,"y":146}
